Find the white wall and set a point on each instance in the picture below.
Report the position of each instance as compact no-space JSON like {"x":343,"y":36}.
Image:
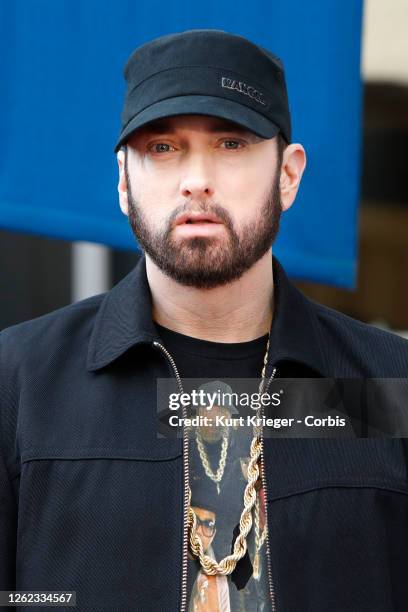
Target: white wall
{"x":385,"y":41}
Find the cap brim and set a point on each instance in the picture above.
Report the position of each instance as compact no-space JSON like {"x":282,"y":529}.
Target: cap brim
{"x":201,"y":105}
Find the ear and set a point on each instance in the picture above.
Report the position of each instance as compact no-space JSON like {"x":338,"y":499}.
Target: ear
{"x":122,"y":184}
{"x":293,"y":165}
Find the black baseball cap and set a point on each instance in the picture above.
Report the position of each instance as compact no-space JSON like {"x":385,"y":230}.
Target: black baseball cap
{"x":206,"y":72}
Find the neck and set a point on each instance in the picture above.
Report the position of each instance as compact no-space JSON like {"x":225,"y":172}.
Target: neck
{"x":237,"y":312}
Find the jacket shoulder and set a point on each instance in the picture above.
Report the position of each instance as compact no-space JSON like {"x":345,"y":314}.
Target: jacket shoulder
{"x":27,"y":352}
{"x":374,"y":352}
{"x":30,"y":337}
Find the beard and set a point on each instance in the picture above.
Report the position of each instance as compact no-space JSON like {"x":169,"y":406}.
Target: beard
{"x":208,"y":262}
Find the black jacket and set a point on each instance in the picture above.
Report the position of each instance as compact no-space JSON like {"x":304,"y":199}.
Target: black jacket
{"x":91,"y":499}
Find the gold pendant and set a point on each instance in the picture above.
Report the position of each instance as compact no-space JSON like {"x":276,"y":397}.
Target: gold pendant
{"x":256,"y":566}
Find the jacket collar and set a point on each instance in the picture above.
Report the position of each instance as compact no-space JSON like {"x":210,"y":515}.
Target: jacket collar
{"x":124,"y":320}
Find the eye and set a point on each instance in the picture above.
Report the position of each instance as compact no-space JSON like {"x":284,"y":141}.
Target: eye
{"x":160,"y":147}
{"x":232,"y":145}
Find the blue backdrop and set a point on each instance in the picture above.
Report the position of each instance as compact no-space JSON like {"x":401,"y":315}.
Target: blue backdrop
{"x":62,"y":91}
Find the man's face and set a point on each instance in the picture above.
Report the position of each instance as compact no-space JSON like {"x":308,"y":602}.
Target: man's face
{"x":182,"y":167}
{"x":212,"y":432}
{"x":206,"y":525}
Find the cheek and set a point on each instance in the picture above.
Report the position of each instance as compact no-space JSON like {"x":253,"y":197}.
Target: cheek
{"x":154,"y":199}
{"x":243,"y":190}
{"x":250,"y":170}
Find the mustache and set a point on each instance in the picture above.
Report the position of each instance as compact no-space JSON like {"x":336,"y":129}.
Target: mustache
{"x":201,"y":207}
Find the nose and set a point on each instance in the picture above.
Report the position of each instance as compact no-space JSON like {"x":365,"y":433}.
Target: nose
{"x":197,"y":179}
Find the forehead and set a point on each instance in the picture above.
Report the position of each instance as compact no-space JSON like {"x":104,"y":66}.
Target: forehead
{"x":204,"y":514}
{"x":203,"y":123}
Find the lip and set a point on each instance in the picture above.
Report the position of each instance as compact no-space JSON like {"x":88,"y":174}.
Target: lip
{"x":191,"y":218}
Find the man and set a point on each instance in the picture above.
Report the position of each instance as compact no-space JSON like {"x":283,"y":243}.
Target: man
{"x":92,"y":499}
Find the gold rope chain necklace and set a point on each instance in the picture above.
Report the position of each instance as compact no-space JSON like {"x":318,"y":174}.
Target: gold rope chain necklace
{"x":227,"y":565}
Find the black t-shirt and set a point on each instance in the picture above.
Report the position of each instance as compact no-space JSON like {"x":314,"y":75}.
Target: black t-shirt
{"x":222,"y":502}
{"x":196,"y":358}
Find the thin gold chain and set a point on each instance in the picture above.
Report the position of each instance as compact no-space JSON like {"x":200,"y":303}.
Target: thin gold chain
{"x":227,"y":565}
{"x":204,"y":459}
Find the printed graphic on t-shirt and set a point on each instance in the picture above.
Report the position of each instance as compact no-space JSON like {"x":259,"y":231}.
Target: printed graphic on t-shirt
{"x":218,"y":460}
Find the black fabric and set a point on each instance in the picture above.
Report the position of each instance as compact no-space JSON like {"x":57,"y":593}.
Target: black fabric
{"x":8,"y":524}
{"x":196,"y":358}
{"x":92,"y":500}
{"x":244,"y":569}
{"x":172,"y":75}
